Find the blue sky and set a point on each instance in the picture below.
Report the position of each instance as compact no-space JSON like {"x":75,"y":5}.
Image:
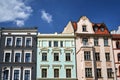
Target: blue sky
{"x":53,"y":15}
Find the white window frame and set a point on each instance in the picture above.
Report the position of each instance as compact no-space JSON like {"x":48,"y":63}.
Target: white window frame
{"x":15,"y":54}
{"x":5,"y":55}
{"x":26,"y":39}
{"x":6,"y":41}
{"x":19,"y":73}
{"x":8,"y":74}
{"x":16,"y":40}
{"x":30,"y":55}
{"x":24,"y":72}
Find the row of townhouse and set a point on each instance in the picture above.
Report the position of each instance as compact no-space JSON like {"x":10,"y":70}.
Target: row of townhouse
{"x":83,"y":51}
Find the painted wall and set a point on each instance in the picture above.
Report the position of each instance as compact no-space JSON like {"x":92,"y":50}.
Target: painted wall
{"x":62,"y":64}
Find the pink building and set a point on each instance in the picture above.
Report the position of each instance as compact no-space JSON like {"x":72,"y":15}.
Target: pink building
{"x":94,"y":51}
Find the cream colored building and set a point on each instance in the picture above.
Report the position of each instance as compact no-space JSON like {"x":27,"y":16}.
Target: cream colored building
{"x":94,"y":52}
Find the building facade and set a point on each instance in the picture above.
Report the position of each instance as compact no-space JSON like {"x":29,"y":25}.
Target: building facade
{"x":56,"y":58}
{"x":94,"y":52}
{"x":116,"y":51}
{"x":18,"y":54}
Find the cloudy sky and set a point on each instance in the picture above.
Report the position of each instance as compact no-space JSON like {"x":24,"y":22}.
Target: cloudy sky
{"x":53,"y":15}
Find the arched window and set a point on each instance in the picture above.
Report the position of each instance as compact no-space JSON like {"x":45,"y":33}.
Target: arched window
{"x":118,"y":56}
{"x":117,"y":44}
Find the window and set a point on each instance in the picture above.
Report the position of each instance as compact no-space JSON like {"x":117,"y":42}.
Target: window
{"x":107,"y":55}
{"x":67,"y":56}
{"x":6,"y":75}
{"x":95,"y":28}
{"x":55,"y":43}
{"x":96,"y":41}
{"x":7,"y":57}
{"x":50,"y":44}
{"x":109,"y":72}
{"x":44,"y":56}
{"x":68,"y":73}
{"x":97,"y":56}
{"x":105,"y":41}
{"x":44,"y":73}
{"x":16,"y":75}
{"x":17,"y":57}
{"x":84,"y":28}
{"x":27,"y":75}
{"x":56,"y":73}
{"x":98,"y":73}
{"x":56,"y":56}
{"x":88,"y":72}
{"x":28,"y":41}
{"x":117,"y":44}
{"x":61,"y":43}
{"x":27,"y":57}
{"x":118,"y":56}
{"x":8,"y":41}
{"x":87,"y":55}
{"x":18,"y":41}
{"x":85,"y":41}
{"x":102,"y":29}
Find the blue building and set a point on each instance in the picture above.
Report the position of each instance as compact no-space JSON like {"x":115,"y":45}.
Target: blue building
{"x":56,"y":58}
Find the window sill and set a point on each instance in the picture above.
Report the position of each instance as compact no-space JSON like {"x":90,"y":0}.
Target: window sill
{"x":44,"y":61}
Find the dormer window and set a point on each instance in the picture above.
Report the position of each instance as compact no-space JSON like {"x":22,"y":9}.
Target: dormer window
{"x":84,"y":28}
{"x":95,"y":28}
{"x":102,"y":29}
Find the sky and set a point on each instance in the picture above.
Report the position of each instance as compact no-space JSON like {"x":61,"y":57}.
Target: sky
{"x":52,"y":16}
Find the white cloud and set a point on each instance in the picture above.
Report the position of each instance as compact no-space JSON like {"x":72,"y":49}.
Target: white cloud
{"x":46,"y":16}
{"x":20,"y":22}
{"x":14,"y":10}
{"x":116,"y":31}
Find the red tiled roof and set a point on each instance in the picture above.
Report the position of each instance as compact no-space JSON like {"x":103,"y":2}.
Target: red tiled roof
{"x":116,"y":36}
{"x":100,"y":25}
{"x":74,"y":26}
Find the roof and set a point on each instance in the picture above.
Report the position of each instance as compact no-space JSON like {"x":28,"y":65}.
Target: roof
{"x":74,"y":26}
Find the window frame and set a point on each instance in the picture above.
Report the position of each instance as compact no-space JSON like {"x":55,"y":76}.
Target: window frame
{"x":6,"y":68}
{"x":88,"y":72}
{"x":50,"y":43}
{"x":24,"y":72}
{"x":56,"y":73}
{"x":85,"y":41}
{"x":109,"y":72}
{"x":97,"y":56}
{"x":15,"y":55}
{"x":96,"y":41}
{"x":30,"y":56}
{"x":107,"y":56}
{"x":16,"y":42}
{"x":98,"y":72}
{"x":118,"y":56}
{"x":19,"y":73}
{"x":45,"y":56}
{"x":69,"y":75}
{"x":55,"y":44}
{"x":87,"y":55}
{"x":106,"y":41}
{"x":5,"y":55}
{"x":26,"y":42}
{"x":42,"y":73}
{"x":67,"y":56}
{"x":54,"y":56}
{"x":10,"y":42}
{"x":84,"y":28}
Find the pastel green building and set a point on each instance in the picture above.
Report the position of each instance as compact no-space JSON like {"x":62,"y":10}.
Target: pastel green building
{"x":56,"y":57}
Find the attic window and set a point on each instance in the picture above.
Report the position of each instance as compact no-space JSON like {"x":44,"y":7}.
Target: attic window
{"x":95,"y":28}
{"x":84,"y":28}
{"x":102,"y":29}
